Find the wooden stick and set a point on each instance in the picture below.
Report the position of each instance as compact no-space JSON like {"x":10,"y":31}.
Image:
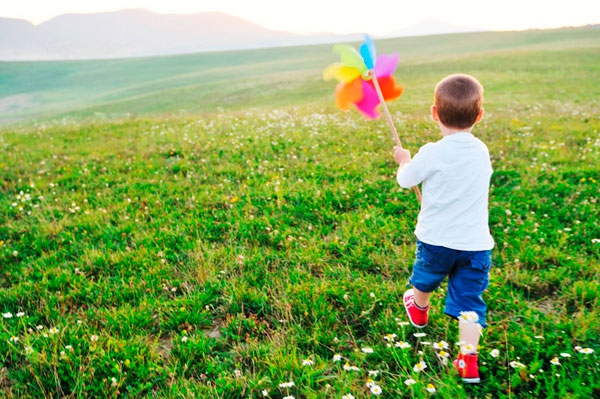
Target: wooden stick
{"x":385,"y":108}
{"x":390,"y":122}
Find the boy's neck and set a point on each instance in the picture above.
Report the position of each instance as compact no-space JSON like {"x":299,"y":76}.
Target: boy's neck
{"x":448,"y":131}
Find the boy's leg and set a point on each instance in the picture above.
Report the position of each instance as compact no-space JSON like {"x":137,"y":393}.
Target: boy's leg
{"x":430,"y":268}
{"x":464,"y":302}
{"x":421,"y":298}
{"x":468,"y":335}
{"x":467,"y":363}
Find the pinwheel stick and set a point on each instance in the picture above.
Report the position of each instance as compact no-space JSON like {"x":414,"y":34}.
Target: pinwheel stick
{"x":390,"y":122}
{"x":385,"y":108}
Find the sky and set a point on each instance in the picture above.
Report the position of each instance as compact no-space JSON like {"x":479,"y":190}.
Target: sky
{"x":376,"y":17}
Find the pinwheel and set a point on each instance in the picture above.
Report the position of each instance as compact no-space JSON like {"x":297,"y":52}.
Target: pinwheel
{"x":355,"y":75}
{"x":365,"y":81}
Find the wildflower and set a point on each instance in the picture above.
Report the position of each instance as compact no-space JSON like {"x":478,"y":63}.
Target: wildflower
{"x":20,"y":314}
{"x":265,"y":392}
{"x":443,"y":354}
{"x":431,"y":388}
{"x":539,"y":337}
{"x":286,"y":384}
{"x":307,"y":362}
{"x":337,"y":357}
{"x":555,"y":361}
{"x":516,"y":365}
{"x":237,"y":373}
{"x":372,"y":295}
{"x":367,"y":350}
{"x":410,"y":382}
{"x":94,"y":338}
{"x":470,"y":317}
{"x":565,"y":354}
{"x":468,"y":348}
{"x":390,"y":337}
{"x":113,"y":382}
{"x":28,"y":350}
{"x":441,"y":345}
{"x":289,"y":397}
{"x":184,"y":338}
{"x":347,"y":367}
{"x":376,"y":390}
{"x":495,"y":353}
{"x":419,"y":335}
{"x":373,"y":373}
{"x":403,"y":323}
{"x":402,"y":345}
{"x":420,"y":367}
{"x":63,"y":355}
{"x":369,"y":383}
{"x":39,"y":327}
{"x":69,"y":348}
{"x":7,"y":315}
{"x":14,"y":338}
{"x":348,"y":396}
{"x":586,"y":351}
{"x":53,"y":330}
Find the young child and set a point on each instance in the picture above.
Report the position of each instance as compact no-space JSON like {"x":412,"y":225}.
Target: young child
{"x":453,"y":237}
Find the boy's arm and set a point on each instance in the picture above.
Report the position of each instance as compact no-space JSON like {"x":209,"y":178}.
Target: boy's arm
{"x":406,"y":176}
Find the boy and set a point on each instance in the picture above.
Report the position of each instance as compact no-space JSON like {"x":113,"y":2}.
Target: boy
{"x":453,"y":237}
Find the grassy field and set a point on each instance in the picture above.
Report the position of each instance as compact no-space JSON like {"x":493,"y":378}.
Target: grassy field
{"x":170,"y":230}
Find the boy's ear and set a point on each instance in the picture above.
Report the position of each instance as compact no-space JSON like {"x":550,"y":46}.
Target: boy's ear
{"x":434,"y":114}
{"x":481,"y":112}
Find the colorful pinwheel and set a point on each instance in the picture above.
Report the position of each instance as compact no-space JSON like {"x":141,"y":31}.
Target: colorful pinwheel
{"x":359,"y":74}
{"x":366,"y":81}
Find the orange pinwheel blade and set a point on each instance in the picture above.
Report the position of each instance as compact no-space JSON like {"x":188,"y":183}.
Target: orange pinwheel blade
{"x":389,"y":89}
{"x":347,"y":94}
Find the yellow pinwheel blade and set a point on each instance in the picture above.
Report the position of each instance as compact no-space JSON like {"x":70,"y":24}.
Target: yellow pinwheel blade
{"x":340,"y":72}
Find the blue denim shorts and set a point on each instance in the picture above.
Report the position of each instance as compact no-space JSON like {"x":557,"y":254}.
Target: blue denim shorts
{"x":467,"y":272}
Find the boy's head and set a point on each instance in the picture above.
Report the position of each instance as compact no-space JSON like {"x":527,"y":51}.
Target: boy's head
{"x":457,"y":101}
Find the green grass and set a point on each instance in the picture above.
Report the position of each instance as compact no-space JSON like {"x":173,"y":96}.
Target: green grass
{"x":210,"y":253}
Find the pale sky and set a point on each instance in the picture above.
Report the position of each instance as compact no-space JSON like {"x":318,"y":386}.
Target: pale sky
{"x":376,"y":17}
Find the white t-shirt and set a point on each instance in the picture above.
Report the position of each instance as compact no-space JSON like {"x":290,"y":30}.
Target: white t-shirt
{"x":455,"y":173}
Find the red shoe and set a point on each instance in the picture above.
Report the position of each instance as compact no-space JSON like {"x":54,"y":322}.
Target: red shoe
{"x":418,"y":317}
{"x":467,"y":367}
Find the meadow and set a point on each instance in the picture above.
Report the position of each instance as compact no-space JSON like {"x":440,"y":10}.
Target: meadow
{"x":211,"y":226}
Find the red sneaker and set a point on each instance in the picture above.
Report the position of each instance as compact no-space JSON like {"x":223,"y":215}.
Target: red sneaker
{"x":467,"y":367}
{"x":418,"y":317}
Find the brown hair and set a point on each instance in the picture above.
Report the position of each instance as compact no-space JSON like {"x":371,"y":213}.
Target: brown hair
{"x":458,"y":99}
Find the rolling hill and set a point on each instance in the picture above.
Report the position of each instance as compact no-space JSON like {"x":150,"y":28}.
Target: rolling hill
{"x":204,"y":82}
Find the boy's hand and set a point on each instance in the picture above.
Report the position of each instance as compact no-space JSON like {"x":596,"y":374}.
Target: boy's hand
{"x":401,"y":155}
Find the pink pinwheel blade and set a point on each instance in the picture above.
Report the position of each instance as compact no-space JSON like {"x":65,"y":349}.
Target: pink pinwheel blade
{"x":369,"y":102}
{"x":386,"y":65}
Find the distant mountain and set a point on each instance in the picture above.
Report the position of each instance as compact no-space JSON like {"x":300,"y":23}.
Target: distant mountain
{"x":139,"y":32}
